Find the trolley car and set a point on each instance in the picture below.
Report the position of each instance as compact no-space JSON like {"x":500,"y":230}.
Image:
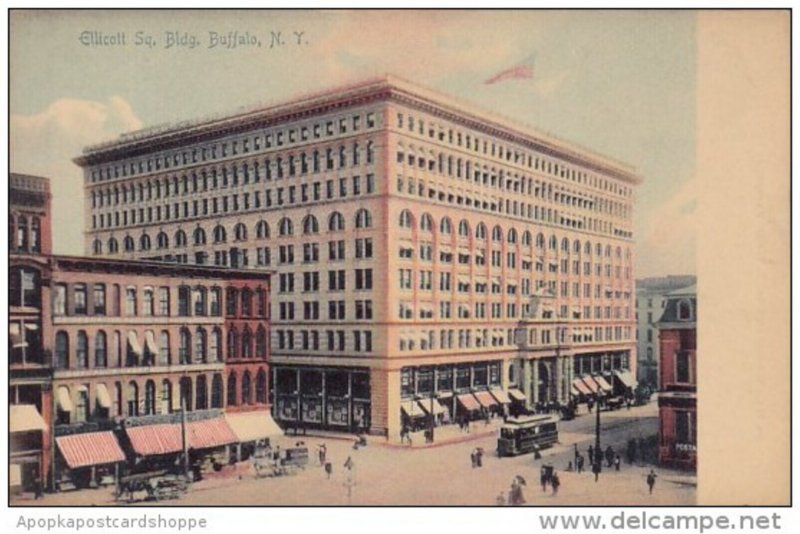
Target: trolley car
{"x":522,"y":435}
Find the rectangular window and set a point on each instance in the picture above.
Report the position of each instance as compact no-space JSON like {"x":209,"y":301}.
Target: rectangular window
{"x":79,"y":299}
{"x":99,"y":300}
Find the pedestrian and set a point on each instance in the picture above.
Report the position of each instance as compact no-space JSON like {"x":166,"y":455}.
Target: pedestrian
{"x":501,"y":499}
{"x":479,"y":456}
{"x":570,"y":469}
{"x":651,"y":480}
{"x":591,"y":454}
{"x":348,"y":464}
{"x":555,"y":482}
{"x":596,"y":468}
{"x":515,"y":496}
{"x":609,"y":456}
{"x":37,"y":488}
{"x":322,"y":452}
{"x":589,"y":405}
{"x":474,"y":458}
{"x":576,"y":452}
{"x":616,"y":462}
{"x":579,"y":463}
{"x":543,"y":478}
{"x":328,"y":469}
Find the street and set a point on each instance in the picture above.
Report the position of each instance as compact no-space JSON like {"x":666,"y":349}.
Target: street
{"x":442,"y":475}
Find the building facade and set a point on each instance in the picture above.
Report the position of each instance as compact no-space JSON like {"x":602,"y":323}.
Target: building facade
{"x":677,"y":400}
{"x":651,"y":297}
{"x":29,"y":358}
{"x":422,"y":248}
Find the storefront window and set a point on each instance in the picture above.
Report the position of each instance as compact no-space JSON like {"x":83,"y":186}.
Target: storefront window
{"x":444,"y":379}
{"x":463,"y":377}
{"x":480,"y":374}
{"x":494,"y":373}
{"x":406,"y":382}
{"x":425,"y":380}
{"x":361,"y":389}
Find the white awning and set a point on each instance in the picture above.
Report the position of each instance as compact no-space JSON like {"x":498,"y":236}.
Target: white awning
{"x":252,"y":426}
{"x":64,"y":400}
{"x":14,"y":475}
{"x":25,"y":418}
{"x":411,"y":409}
{"x":103,"y":398}
{"x":133,"y":342}
{"x":31,"y":326}
{"x":150,"y":342}
{"x":13,"y":329}
{"x":426,"y":404}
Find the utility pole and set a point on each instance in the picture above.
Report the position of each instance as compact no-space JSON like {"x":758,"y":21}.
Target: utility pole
{"x":597,"y":450}
{"x":185,"y":445}
{"x":433,"y":417}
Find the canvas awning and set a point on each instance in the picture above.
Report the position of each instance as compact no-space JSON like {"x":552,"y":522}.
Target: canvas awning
{"x":64,"y":400}
{"x":91,"y":448}
{"x":500,"y":395}
{"x":253,"y":426}
{"x":574,"y":391}
{"x":133,"y":343}
{"x":26,"y":418}
{"x":517,"y":395}
{"x":103,"y":398}
{"x":604,"y":385}
{"x":14,"y":475}
{"x":151,"y":440}
{"x":411,"y":409}
{"x":626,"y":378}
{"x":426,"y":404}
{"x":581,"y":387}
{"x":485,"y":398}
{"x":469,"y":402}
{"x":591,"y":384}
{"x":150,"y":342}
{"x":15,"y":333}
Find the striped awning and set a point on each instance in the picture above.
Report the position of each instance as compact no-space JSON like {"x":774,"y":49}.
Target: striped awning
{"x":91,"y":448}
{"x":411,"y":408}
{"x":500,"y":395}
{"x":26,"y":418}
{"x":626,"y":378}
{"x":591,"y":384}
{"x":581,"y":387}
{"x":485,"y":398}
{"x":151,"y":440}
{"x":517,"y":395}
{"x":103,"y":398}
{"x":604,"y":385}
{"x":426,"y":404}
{"x":469,"y":402}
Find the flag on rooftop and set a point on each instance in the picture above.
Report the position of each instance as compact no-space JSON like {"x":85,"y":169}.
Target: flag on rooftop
{"x":521,"y":71}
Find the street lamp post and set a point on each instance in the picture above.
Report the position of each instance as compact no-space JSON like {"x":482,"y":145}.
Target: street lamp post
{"x":597,"y":450}
{"x":433,"y":417}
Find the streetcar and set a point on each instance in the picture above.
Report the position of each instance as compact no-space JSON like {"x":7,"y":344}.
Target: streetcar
{"x":527,"y":434}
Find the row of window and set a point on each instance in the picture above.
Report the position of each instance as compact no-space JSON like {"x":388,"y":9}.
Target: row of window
{"x":91,"y":299}
{"x":421,"y":381}
{"x":337,"y":310}
{"x":337,"y":281}
{"x":247,"y":201}
{"x":233,"y":147}
{"x":407,"y":310}
{"x":25,"y":235}
{"x":194,"y":347}
{"x":334,"y":340}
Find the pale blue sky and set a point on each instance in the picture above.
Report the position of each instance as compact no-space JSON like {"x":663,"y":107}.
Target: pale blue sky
{"x":621,"y":83}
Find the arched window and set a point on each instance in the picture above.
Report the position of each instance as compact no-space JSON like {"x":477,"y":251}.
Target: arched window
{"x":22,"y":233}
{"x":406,"y":219}
{"x":540,"y":241}
{"x":262,"y":230}
{"x":201,"y":393}
{"x":82,"y":350}
{"x":164,"y":356}
{"x":186,"y":393}
{"x":216,"y":391}
{"x":113,"y":245}
{"x":261,"y":387}
{"x":310,"y":225}
{"x":62,"y":350}
{"x":247,"y":343}
{"x":247,"y":394}
{"x":162,"y":240}
{"x":232,"y":398}
{"x":363,"y":219}
{"x":200,"y":345}
{"x":100,"y":349}
{"x":215,"y":345}
{"x":463,"y":228}
{"x":220,"y":235}
{"x":199,"y":236}
{"x":553,"y":242}
{"x":185,"y":349}
{"x":233,"y":343}
{"x":587,"y":248}
{"x":576,"y":247}
{"x":240,"y":232}
{"x":247,"y":302}
{"x":684,"y":310}
{"x":133,"y":399}
{"x":446,"y":227}
{"x":129,"y":244}
{"x":285,"y":227}
{"x":526,"y":238}
{"x":565,"y":244}
{"x":480,"y":232}
{"x":180,"y":238}
{"x":144,"y":242}
{"x":512,"y":236}
{"x":426,"y":223}
{"x":336,"y":222}
{"x":97,"y":247}
{"x":497,"y":234}
{"x":261,"y":342}
{"x":149,"y":398}
{"x":166,"y":397}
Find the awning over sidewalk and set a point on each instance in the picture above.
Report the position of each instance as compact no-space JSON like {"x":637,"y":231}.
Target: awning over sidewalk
{"x":252,"y":426}
{"x":14,"y":475}
{"x":591,"y":384}
{"x":486,"y":399}
{"x":91,"y":448}
{"x":500,"y":395}
{"x":581,"y":387}
{"x":426,"y":404}
{"x":26,"y":418}
{"x":626,"y":378}
{"x":604,"y":385}
{"x":411,"y":409}
{"x":469,"y":402}
{"x":517,"y":395}
{"x":151,"y":440}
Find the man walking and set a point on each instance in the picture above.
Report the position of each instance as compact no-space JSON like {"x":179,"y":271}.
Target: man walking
{"x":555,"y":482}
{"x":651,"y":480}
{"x":616,"y":462}
{"x":579,"y":463}
{"x":596,"y":470}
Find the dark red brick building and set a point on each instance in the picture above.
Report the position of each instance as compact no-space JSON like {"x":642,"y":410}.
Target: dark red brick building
{"x":677,"y":401}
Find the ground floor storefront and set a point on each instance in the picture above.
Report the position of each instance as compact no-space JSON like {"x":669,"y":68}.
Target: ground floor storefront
{"x":677,"y":412}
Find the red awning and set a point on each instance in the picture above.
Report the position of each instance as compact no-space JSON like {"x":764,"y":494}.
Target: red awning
{"x":92,"y":448}
{"x":485,"y":398}
{"x":591,"y":384}
{"x":604,"y":385}
{"x":581,"y":387}
{"x":469,"y":402}
{"x":152,"y":440}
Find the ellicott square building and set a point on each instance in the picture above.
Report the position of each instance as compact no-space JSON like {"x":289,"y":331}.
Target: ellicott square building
{"x":429,"y":256}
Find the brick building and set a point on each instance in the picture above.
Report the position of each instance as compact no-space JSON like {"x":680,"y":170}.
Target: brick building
{"x":677,"y":400}
{"x":423,"y":248}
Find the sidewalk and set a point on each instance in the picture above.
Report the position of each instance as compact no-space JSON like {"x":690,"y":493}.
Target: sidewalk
{"x":448,"y":435}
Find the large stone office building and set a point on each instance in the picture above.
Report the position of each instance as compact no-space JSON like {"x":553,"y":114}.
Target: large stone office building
{"x":422,"y":248}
